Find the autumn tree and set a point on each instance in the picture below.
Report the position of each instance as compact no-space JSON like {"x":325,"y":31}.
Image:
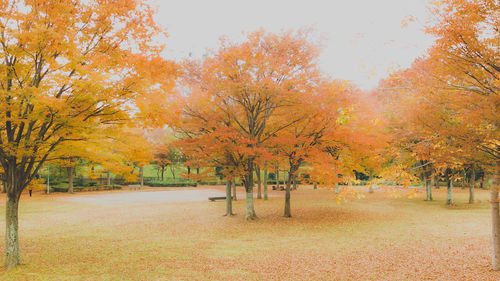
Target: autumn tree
{"x":317,"y":134}
{"x":67,"y":68}
{"x":453,"y":94}
{"x":250,"y":86}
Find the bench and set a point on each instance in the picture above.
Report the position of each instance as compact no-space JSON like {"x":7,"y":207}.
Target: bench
{"x":281,"y":188}
{"x":217,"y":198}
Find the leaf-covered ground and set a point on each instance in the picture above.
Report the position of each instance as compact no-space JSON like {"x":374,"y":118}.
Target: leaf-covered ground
{"x":375,"y":238}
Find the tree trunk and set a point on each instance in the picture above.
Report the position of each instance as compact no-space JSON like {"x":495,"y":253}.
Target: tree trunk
{"x":259,"y":183}
{"x":449,"y":189}
{"x":277,"y":178}
{"x":233,"y":183}
{"x":12,"y":257}
{"x":472,"y":184}
{"x":428,"y":187}
{"x":250,"y":211}
{"x":108,"y":178}
{"x":141,"y":172}
{"x":436,"y":181}
{"x":162,"y":173}
{"x":265,"y":185}
{"x":287,"y":213}
{"x":495,"y":219}
{"x":315,"y":185}
{"x":428,"y":182}
{"x":4,"y":186}
{"x":70,"y":179}
{"x":295,"y":182}
{"x":370,"y":189}
{"x":172,"y":169}
{"x":229,"y":201}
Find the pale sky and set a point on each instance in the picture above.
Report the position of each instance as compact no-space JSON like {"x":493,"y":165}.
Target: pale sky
{"x":363,"y":39}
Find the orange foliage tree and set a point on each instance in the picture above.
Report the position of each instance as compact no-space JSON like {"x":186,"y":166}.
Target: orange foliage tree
{"x":67,"y":68}
{"x":447,"y":102}
{"x":243,"y":93}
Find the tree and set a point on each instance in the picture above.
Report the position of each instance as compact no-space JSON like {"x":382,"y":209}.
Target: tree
{"x":317,"y":132}
{"x":246,"y":88}
{"x":467,"y":52}
{"x":67,"y":68}
{"x":459,"y":79}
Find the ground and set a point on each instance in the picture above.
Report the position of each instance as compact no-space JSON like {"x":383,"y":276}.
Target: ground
{"x":150,"y":235}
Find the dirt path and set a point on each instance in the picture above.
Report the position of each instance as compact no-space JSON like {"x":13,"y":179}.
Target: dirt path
{"x":149,"y":197}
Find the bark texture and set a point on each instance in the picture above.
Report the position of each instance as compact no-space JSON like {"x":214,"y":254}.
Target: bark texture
{"x":12,"y":257}
{"x":229,"y":201}
{"x":234,"y":190}
{"x":259,"y":183}
{"x":265,"y":185}
{"x":70,"y":179}
{"x":495,"y":219}
{"x":472,"y":184}
{"x":141,"y":172}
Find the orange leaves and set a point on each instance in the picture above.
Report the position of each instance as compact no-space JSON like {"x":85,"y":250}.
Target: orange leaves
{"x":77,"y":71}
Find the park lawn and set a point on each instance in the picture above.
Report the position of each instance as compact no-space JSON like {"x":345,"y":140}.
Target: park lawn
{"x":375,"y":238}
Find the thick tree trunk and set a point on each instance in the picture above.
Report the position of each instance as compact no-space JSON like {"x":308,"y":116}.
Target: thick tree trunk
{"x":229,"y":201}
{"x":265,"y":185}
{"x":259,"y":183}
{"x":233,"y":183}
{"x":250,"y":211}
{"x":141,"y":172}
{"x":472,"y":184}
{"x":70,"y":179}
{"x":428,"y":187}
{"x":495,"y":219}
{"x":495,"y":222}
{"x":449,"y":189}
{"x":12,"y":257}
{"x":295,"y":182}
{"x":287,"y":212}
{"x":315,"y":185}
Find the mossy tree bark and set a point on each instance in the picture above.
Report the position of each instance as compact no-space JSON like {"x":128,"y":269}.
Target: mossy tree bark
{"x":248,"y":182}
{"x":229,"y":201}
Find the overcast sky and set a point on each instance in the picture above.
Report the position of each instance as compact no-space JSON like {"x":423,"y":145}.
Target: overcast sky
{"x":363,"y":39}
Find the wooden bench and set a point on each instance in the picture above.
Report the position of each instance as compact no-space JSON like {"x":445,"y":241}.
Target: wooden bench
{"x":281,"y":188}
{"x":217,"y":198}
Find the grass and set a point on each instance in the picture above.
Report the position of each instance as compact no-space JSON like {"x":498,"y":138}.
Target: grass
{"x":376,"y":238}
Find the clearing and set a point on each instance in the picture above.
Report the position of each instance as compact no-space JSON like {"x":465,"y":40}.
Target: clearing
{"x":147,"y":235}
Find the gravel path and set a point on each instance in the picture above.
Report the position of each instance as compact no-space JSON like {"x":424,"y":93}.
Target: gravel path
{"x":148,"y":197}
